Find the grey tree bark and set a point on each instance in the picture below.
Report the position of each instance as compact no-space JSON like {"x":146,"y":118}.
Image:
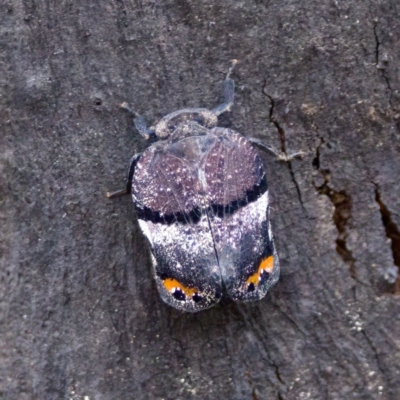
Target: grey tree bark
{"x":80,"y":314}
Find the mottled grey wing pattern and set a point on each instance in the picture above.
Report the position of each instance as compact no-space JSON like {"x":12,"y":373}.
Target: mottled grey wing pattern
{"x":171,"y":206}
{"x":232,"y":168}
{"x":240,"y":225}
{"x":167,"y":188}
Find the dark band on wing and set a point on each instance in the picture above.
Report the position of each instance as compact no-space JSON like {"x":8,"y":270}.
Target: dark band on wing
{"x":194,"y":216}
{"x":147,"y":214}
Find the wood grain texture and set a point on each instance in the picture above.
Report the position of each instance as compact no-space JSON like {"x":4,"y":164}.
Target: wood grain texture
{"x":79,"y":310}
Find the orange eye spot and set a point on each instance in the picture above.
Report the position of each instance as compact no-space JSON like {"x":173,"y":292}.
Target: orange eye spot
{"x":172,"y":284}
{"x":266,"y":265}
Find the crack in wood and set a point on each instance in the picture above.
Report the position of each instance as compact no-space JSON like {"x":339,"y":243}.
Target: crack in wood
{"x":393,"y":233}
{"x":374,"y":350}
{"x":381,"y":62}
{"x":341,"y":200}
{"x":282,"y":138}
{"x":377,"y":43}
{"x":342,"y":219}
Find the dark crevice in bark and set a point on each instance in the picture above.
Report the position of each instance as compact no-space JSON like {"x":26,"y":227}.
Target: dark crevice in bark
{"x":381,"y":61}
{"x":377,"y":44}
{"x":277,"y":373}
{"x":393,"y":233}
{"x":341,"y":216}
{"x":374,"y":350}
{"x":389,"y":88}
{"x":316,"y":162}
{"x":282,"y":138}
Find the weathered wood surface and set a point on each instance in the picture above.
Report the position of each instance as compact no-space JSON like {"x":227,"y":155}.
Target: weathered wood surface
{"x":80,"y":315}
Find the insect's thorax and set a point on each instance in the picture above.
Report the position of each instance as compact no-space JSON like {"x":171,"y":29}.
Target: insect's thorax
{"x":190,"y":119}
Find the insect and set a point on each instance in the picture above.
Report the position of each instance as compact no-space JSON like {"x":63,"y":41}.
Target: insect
{"x":201,"y":199}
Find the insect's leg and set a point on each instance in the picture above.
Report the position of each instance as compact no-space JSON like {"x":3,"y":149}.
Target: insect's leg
{"x":229,"y":92}
{"x":140,"y":123}
{"x":281,"y":156}
{"x":131,"y":171}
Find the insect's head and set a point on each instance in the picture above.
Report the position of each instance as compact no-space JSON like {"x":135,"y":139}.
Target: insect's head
{"x":186,"y":118}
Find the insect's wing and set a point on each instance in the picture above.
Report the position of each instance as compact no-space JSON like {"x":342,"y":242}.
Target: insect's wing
{"x":165,"y":191}
{"x":186,"y":269}
{"x":248,"y":259}
{"x":241,"y":228}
